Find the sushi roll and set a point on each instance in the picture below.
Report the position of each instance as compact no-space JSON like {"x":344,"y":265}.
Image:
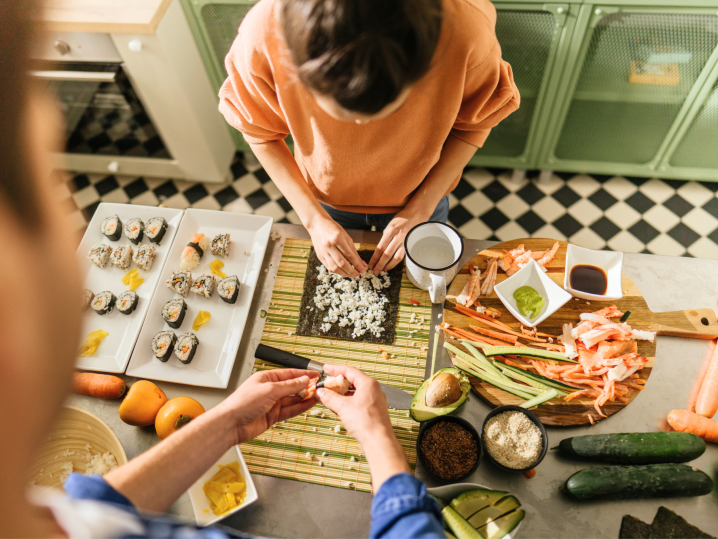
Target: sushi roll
{"x":186,"y":347}
{"x":192,"y":254}
{"x":145,"y":256}
{"x":112,"y":228}
{"x":127,"y":301}
{"x":134,"y":229}
{"x":121,"y":256}
{"x":103,"y":302}
{"x":180,"y":281}
{"x":204,"y":285}
{"x":163,"y":343}
{"x":99,"y":255}
{"x":155,"y":229}
{"x":87,"y":297}
{"x":228,"y":289}
{"x":173,"y":312}
{"x":220,"y":245}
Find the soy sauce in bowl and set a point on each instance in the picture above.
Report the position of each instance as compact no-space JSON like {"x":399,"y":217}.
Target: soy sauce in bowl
{"x":589,"y":279}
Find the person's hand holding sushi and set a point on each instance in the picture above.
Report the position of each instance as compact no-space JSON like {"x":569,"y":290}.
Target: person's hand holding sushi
{"x":366,"y":417}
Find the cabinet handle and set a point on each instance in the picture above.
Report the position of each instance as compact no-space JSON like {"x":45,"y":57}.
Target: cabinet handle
{"x":114,"y":166}
{"x":135,"y":45}
{"x":598,"y":11}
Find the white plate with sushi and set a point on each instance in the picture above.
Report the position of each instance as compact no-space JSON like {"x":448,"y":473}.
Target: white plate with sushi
{"x":168,"y":347}
{"x":106,"y":258}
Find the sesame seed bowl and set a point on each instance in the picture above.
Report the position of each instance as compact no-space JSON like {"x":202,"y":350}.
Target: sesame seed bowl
{"x":428,"y":460}
{"x":486,"y":444}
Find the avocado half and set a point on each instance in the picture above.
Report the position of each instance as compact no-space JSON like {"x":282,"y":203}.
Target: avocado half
{"x":421,"y":412}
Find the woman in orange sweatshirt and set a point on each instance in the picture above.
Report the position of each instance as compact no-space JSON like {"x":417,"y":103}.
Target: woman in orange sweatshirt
{"x":386,"y":101}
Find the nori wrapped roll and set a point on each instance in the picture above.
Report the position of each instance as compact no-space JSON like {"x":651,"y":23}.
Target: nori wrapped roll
{"x":186,"y":347}
{"x":134,"y":230}
{"x":155,"y":229}
{"x":103,"y":302}
{"x":127,"y":301}
{"x":112,"y":227}
{"x":173,"y":312}
{"x":228,"y":289}
{"x":162,"y":344}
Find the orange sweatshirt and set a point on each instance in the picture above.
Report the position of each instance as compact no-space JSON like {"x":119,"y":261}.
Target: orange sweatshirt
{"x":376,"y":167}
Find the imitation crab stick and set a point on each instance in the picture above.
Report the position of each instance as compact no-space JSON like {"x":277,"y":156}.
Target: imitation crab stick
{"x":497,"y":335}
{"x":487,"y":320}
{"x":685,"y":421}
{"x":707,"y":401}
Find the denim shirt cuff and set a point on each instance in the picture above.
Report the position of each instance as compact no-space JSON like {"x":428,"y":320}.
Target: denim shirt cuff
{"x":94,"y":487}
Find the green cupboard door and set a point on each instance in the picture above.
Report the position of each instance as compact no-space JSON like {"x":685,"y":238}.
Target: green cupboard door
{"x":624,"y":104}
{"x":527,"y":39}
{"x":699,"y":147}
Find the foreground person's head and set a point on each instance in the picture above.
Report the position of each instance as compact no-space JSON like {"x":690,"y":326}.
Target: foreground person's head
{"x":39,"y":305}
{"x":360,"y":58}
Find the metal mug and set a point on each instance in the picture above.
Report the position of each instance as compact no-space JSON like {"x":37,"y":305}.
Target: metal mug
{"x":433,"y":251}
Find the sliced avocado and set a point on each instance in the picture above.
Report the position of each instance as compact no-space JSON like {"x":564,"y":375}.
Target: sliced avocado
{"x":449,"y":535}
{"x":492,"y":496}
{"x":483,"y":517}
{"x":502,"y":526}
{"x":458,"y":525}
{"x":421,"y":412}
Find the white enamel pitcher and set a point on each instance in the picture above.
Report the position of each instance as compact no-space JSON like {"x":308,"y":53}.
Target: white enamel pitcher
{"x":433,"y":251}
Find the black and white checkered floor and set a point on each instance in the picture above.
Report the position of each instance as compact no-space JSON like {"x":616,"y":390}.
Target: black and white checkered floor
{"x":666,"y":217}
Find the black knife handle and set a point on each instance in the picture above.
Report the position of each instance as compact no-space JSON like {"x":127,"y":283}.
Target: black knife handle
{"x":285,"y":359}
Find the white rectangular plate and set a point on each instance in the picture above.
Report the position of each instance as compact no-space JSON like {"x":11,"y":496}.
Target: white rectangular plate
{"x":219,"y":338}
{"x":114,"y":352}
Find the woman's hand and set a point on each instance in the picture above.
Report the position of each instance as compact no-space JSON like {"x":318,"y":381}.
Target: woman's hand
{"x":335,"y":248}
{"x":390,"y":250}
{"x":265,"y":398}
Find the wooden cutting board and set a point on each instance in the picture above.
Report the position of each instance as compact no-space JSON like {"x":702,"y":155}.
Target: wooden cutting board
{"x":695,"y":323}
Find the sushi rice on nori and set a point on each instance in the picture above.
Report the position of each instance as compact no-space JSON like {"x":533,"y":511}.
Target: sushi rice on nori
{"x":180,"y":281}
{"x":220,"y":245}
{"x":145,"y":256}
{"x":155,"y":229}
{"x":228,"y":289}
{"x":186,"y":347}
{"x":87,"y":297}
{"x":121,"y":256}
{"x":162,"y":344}
{"x":103,"y":302}
{"x":173,"y":312}
{"x":112,"y":227}
{"x":204,"y":285}
{"x":99,"y":255}
{"x":134,"y":229}
{"x":127,"y":301}
{"x":192,"y":254}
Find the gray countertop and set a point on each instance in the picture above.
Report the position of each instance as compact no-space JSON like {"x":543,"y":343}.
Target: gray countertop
{"x":293,"y":509}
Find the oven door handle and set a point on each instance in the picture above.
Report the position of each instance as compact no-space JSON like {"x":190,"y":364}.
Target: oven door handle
{"x":79,"y":76}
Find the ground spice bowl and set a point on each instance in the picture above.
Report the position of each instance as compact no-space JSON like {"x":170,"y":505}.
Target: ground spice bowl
{"x":450,"y":419}
{"x":532,"y":417}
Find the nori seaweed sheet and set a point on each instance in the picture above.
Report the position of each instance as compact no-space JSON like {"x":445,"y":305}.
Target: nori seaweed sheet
{"x":668,"y":525}
{"x":633,"y":528}
{"x":309,"y":322}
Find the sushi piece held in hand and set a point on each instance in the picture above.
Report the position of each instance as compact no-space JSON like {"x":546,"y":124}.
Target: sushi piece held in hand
{"x":103,"y":302}
{"x":127,"y":301}
{"x":180,"y":281}
{"x":163,"y":343}
{"x":228,"y":289}
{"x":173,"y":312}
{"x":99,"y":255}
{"x":134,"y":230}
{"x":192,"y":254}
{"x":186,"y":347}
{"x":338,"y":384}
{"x":220,"y":245}
{"x":145,"y":256}
{"x":204,"y":285}
{"x":121,"y":256}
{"x":87,"y":297}
{"x":112,"y":227}
{"x":155,"y":229}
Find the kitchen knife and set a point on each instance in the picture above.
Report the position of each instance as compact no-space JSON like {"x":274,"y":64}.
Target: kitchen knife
{"x":395,"y":397}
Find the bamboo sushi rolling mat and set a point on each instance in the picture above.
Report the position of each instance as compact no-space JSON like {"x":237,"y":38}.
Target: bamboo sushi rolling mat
{"x":335,"y":459}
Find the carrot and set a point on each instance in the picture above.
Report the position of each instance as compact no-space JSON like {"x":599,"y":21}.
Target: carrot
{"x":685,"y":421}
{"x":103,"y":386}
{"x":489,"y":333}
{"x":707,"y":400}
{"x":480,"y":338}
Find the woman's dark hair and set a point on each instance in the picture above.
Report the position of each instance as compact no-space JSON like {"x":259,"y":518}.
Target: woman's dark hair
{"x":17,"y":184}
{"x":362,"y":53}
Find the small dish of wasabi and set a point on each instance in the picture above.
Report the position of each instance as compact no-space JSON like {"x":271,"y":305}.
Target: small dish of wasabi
{"x":530,"y":295}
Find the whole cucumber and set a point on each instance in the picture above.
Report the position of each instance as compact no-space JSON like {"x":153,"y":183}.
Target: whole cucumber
{"x":634,"y":448}
{"x":635,"y":482}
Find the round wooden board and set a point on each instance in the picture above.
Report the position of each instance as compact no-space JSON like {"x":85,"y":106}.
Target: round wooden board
{"x":556,"y":412}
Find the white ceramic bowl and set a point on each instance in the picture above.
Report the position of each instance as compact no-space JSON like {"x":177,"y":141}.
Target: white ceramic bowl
{"x":449,"y":492}
{"x":200,"y":503}
{"x":532,"y":275}
{"x":610,"y":261}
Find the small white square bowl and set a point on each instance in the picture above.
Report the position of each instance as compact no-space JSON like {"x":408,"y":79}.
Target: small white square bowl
{"x":610,"y":261}
{"x":200,"y":503}
{"x":532,"y":275}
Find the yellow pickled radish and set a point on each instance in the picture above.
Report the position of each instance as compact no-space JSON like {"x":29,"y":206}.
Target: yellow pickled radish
{"x":92,"y":341}
{"x":132,"y":279}
{"x":226,"y":490}
{"x":216,"y":266}
{"x":202,"y":318}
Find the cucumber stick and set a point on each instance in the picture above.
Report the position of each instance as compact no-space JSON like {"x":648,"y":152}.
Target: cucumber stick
{"x":634,"y":448}
{"x":638,"y":482}
{"x":527,"y":352}
{"x":481,"y":359}
{"x":541,"y":379}
{"x":519,"y":377}
{"x":494,"y":382}
{"x":458,"y":525}
{"x":540,"y":399}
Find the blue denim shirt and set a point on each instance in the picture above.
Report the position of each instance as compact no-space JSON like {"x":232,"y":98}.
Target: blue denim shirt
{"x":402,"y":509}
